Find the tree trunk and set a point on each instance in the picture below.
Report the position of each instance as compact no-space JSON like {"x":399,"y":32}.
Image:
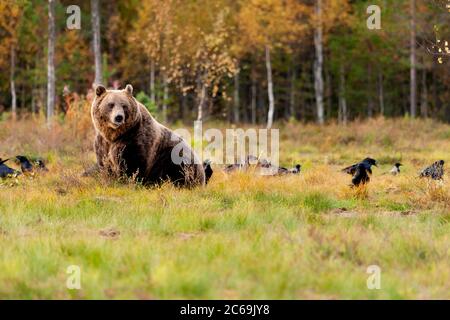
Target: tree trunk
{"x":165,"y":96}
{"x":95,"y":17}
{"x":434,"y":91}
{"x":424,"y":102}
{"x":201,"y":101}
{"x":381,"y":91}
{"x":318,"y":63}
{"x":292,"y":93}
{"x":51,"y":61}
{"x":152,"y":82}
{"x":236,"y":99}
{"x":369,"y":91}
{"x":183,"y":101}
{"x":413,"y":83}
{"x":342,"y":99}
{"x":269,"y":89}
{"x":328,"y":92}
{"x":253,"y":96}
{"x":13,"y":84}
{"x":33,"y":101}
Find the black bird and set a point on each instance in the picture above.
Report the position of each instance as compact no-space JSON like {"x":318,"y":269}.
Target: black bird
{"x":208,"y":170}
{"x":368,"y":162}
{"x":242,"y":166}
{"x":25,"y":164}
{"x":395,"y":169}
{"x":435,"y":171}
{"x":361,"y":171}
{"x":6,"y":171}
{"x":294,"y":170}
{"x":40,"y":165}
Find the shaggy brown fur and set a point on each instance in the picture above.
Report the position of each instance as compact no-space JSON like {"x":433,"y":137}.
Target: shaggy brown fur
{"x":131,"y":143}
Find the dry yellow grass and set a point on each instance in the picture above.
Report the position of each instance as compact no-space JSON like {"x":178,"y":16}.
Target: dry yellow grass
{"x":242,"y":236}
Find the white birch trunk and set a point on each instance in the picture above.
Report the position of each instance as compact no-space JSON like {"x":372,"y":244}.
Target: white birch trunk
{"x":269,"y":89}
{"x":413,"y":80}
{"x":51,"y":61}
{"x":318,"y":63}
{"x":12,"y":83}
{"x":236,"y":98}
{"x":95,"y":20}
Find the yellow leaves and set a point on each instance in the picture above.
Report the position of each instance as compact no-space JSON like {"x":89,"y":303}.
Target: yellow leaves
{"x":271,"y":22}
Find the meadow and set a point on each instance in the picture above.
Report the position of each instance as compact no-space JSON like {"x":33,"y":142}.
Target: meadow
{"x":306,"y":236}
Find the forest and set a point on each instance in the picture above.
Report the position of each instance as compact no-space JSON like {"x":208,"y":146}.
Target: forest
{"x":240,"y":61}
{"x":336,"y":81}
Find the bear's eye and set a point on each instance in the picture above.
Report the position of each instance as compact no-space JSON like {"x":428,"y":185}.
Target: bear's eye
{"x":111,"y":105}
{"x":124,"y":106}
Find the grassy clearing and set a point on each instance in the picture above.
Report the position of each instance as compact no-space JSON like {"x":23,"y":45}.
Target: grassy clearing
{"x":306,"y":236}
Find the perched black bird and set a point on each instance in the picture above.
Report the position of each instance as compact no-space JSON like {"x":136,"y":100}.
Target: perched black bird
{"x":395,"y":169}
{"x":435,"y":171}
{"x":208,"y":170}
{"x":368,"y":162}
{"x":361,"y":175}
{"x":40,"y":165}
{"x":296,"y":169}
{"x":25,"y":164}
{"x":361,"y":171}
{"x":6,"y":171}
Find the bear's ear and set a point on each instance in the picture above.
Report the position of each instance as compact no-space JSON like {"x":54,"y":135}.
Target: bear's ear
{"x":99,"y":90}
{"x":129,"y":89}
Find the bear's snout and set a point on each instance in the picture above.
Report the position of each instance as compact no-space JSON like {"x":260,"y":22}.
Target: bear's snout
{"x":117,"y":116}
{"x":118,"y":119}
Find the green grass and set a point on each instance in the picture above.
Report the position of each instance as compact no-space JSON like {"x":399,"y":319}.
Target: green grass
{"x":298,"y":237}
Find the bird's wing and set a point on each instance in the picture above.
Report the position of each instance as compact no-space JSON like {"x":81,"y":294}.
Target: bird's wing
{"x":350,"y":170}
{"x":360,"y":175}
{"x":356,"y":179}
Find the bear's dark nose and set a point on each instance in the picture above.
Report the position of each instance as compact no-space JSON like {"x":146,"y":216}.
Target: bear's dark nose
{"x":118,"y":118}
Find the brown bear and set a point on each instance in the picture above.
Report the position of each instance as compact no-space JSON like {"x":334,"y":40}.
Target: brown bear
{"x":130,"y":142}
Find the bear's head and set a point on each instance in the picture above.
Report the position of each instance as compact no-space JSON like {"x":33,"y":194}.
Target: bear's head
{"x":114,"y":112}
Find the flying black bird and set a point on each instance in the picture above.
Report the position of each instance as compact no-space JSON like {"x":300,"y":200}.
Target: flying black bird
{"x":361,"y":171}
{"x":25,"y":164}
{"x":6,"y":171}
{"x":40,"y":165}
{"x":208,"y":170}
{"x":435,"y":171}
{"x":395,"y":169}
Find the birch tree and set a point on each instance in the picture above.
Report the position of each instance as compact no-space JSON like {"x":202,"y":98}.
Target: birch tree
{"x":318,"y":62}
{"x":268,"y":25}
{"x":95,"y":20}
{"x":51,"y":60}
{"x":412,"y":57}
